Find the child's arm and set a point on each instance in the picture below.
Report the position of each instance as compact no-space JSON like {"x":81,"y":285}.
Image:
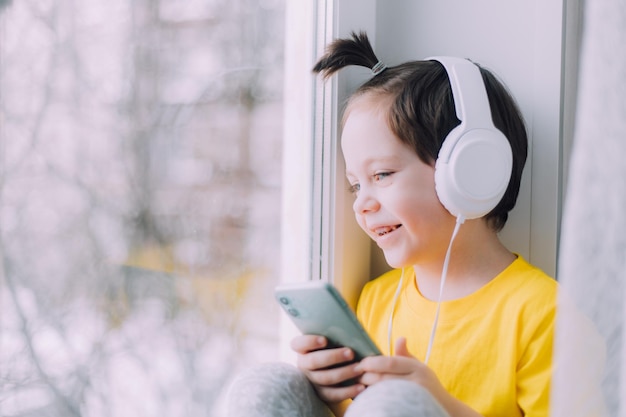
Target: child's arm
{"x":321,"y":368}
{"x":404,"y":366}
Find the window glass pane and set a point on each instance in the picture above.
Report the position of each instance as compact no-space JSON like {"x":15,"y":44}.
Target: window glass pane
{"x":140,"y":181}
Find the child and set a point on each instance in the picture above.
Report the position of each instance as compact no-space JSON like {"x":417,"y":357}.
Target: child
{"x":482,"y":343}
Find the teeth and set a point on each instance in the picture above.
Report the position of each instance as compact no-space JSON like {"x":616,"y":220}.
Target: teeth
{"x":384,"y":230}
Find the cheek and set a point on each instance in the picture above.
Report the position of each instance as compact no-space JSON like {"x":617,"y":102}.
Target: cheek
{"x":424,"y":209}
{"x":360,"y":221}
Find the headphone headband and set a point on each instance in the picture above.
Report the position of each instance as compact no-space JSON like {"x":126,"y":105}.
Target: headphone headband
{"x":467,"y":87}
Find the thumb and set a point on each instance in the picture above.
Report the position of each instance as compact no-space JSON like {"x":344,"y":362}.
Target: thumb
{"x":401,"y":349}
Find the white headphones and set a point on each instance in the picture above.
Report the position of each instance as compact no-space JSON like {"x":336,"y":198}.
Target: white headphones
{"x":474,"y":164}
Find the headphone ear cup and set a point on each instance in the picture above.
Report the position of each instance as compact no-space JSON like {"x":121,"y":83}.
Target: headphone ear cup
{"x":473,"y":172}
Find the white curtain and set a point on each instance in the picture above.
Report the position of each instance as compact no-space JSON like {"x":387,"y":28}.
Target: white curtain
{"x":590,"y":355}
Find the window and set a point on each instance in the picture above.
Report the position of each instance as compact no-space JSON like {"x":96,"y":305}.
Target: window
{"x":140,"y":202}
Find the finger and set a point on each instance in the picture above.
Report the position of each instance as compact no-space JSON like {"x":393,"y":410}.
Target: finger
{"x":337,"y":394}
{"x":307,"y":343}
{"x":371,"y":378}
{"x":334,"y":376}
{"x":378,"y":364}
{"x":401,"y":349}
{"x":388,"y":364}
{"x":325,"y":358}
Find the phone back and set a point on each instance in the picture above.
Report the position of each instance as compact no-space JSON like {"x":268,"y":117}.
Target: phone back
{"x":316,"y":307}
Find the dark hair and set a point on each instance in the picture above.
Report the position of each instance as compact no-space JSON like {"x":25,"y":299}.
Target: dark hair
{"x":422,"y":111}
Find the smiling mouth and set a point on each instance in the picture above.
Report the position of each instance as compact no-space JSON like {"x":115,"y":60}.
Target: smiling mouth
{"x":382,"y":231}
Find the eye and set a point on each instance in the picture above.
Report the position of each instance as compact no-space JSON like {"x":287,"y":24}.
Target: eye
{"x":354,"y":188}
{"x":379,"y":176}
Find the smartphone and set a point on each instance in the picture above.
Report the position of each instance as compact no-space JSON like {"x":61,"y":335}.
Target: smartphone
{"x":316,"y":307}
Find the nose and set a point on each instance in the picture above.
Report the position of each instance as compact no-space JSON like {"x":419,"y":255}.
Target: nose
{"x":365,"y":202}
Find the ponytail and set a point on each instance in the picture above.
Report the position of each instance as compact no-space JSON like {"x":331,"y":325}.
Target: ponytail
{"x":343,"y":52}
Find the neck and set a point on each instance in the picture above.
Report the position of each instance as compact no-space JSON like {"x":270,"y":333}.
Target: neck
{"x":477,"y":256}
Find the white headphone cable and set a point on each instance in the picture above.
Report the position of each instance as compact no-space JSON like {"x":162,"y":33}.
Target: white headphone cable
{"x":444,"y":274}
{"x":393,"y":307}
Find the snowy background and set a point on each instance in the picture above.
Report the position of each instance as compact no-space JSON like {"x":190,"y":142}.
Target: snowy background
{"x":140,"y":149}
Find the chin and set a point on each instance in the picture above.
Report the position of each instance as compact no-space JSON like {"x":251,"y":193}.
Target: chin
{"x":395,"y":261}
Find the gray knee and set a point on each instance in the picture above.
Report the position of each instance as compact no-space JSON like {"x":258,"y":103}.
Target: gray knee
{"x":273,"y":390}
{"x":395,"y":398}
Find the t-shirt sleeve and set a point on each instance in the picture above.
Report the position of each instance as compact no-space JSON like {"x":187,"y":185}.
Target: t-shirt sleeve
{"x":534,"y":372}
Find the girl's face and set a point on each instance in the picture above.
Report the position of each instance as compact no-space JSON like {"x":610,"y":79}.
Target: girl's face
{"x":395,"y":199}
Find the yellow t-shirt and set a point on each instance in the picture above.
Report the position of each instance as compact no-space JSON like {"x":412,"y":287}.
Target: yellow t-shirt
{"x":492,"y":349}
